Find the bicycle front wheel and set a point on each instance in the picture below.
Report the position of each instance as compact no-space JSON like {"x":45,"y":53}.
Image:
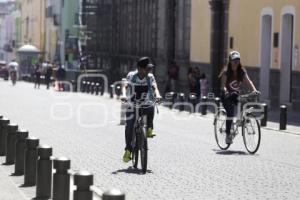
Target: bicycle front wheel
{"x":220,"y":129}
{"x":135,"y":149}
{"x":251,"y":133}
{"x":144,"y":150}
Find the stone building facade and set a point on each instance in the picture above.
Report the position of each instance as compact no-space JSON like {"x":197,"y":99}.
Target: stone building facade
{"x":120,"y":31}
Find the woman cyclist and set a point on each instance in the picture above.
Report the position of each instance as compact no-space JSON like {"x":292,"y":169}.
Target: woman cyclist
{"x":232,"y":77}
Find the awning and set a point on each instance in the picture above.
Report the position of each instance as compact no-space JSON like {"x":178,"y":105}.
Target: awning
{"x":27,"y":48}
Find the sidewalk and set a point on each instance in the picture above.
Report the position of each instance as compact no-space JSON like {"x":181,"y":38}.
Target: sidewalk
{"x":9,"y":190}
{"x":293,"y":118}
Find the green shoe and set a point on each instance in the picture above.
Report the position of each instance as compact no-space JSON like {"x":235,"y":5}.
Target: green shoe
{"x":150,"y":133}
{"x":126,"y":156}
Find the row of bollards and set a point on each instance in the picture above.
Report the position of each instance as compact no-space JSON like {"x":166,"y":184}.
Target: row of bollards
{"x":92,"y":88}
{"x":282,"y":116}
{"x":34,"y":162}
{"x":193,"y":101}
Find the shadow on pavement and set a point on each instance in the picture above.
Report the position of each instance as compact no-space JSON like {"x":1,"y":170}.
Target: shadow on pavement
{"x":231,"y":152}
{"x":130,"y":170}
{"x":26,"y":185}
{"x":16,"y":174}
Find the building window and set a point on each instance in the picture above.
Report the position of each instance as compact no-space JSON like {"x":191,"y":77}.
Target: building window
{"x":275,"y":42}
{"x":231,"y":42}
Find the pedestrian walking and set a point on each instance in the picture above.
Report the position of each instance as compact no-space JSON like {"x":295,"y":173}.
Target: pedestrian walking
{"x":60,"y":77}
{"x":37,"y":76}
{"x":48,"y":75}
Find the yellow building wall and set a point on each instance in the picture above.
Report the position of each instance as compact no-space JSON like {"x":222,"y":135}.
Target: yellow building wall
{"x":34,"y":10}
{"x":200,"y":31}
{"x":244,"y":27}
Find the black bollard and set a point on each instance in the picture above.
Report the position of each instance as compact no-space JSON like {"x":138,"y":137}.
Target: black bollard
{"x":20,"y":152}
{"x":170,"y":97}
{"x":88,"y":87}
{"x":83,"y":180}
{"x":113,"y":194}
{"x":193,"y":101}
{"x":283,"y":117}
{"x":3,"y":134}
{"x":61,"y":179}
{"x":217,"y":102}
{"x":112,"y":91}
{"x":97,"y":89}
{"x":74,"y":84}
{"x":10,"y":144}
{"x":204,"y":106}
{"x":181,"y":101}
{"x":31,"y":156}
{"x":118,"y":91}
{"x":92,"y":88}
{"x":263,"y":121}
{"x":44,"y":172}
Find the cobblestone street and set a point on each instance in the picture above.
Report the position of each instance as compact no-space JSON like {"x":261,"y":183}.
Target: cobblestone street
{"x":184,"y":160}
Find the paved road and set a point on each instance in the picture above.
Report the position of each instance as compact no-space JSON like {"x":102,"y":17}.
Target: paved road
{"x":184,"y":162}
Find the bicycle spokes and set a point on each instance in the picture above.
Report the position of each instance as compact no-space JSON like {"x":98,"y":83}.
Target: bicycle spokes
{"x":251,"y":134}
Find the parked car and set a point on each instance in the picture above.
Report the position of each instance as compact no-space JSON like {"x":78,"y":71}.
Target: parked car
{"x":4,"y":70}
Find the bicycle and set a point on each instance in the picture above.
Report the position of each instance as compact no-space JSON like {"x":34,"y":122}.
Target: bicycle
{"x":246,"y":120}
{"x":139,"y":137}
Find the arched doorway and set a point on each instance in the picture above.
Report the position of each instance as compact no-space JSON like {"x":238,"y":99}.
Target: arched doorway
{"x":265,"y":52}
{"x":286,"y":53}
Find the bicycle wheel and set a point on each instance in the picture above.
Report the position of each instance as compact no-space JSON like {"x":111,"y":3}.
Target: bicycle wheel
{"x":144,"y":150}
{"x":135,"y":149}
{"x":251,"y":133}
{"x":220,"y":129}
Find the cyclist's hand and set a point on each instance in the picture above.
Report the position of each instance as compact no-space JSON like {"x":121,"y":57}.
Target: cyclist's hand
{"x":256,"y":92}
{"x":227,"y":94}
{"x":158,"y":99}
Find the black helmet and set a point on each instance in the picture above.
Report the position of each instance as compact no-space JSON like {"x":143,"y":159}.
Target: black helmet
{"x":143,"y":62}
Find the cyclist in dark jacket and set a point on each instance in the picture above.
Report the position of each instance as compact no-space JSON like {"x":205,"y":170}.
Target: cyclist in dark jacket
{"x":231,"y":78}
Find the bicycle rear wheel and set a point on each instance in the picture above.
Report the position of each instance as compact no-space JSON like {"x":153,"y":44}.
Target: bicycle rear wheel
{"x":251,"y":133}
{"x":220,"y":129}
{"x":144,"y":150}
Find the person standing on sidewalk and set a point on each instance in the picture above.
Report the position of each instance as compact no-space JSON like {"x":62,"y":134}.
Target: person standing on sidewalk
{"x":37,"y":76}
{"x":48,"y":75}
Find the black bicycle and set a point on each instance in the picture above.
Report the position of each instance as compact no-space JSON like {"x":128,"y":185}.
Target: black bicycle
{"x":139,"y":137}
{"x":246,"y":119}
{"x":139,"y":140}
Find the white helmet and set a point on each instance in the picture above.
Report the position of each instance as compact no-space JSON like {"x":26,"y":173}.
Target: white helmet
{"x":234,"y":55}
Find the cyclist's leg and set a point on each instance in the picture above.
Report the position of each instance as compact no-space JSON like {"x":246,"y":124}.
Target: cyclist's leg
{"x":150,"y":117}
{"x":130,"y":119}
{"x":229,"y":107}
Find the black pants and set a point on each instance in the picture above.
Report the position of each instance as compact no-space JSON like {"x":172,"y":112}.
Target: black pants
{"x":229,"y":103}
{"x":130,"y":120}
